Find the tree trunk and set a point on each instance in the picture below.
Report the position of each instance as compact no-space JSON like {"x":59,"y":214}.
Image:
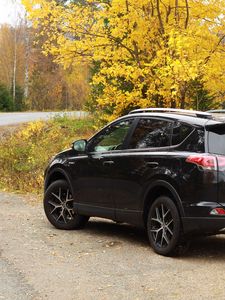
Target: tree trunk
{"x":173,"y":104}
{"x":183,"y":96}
{"x":27,"y":54}
{"x":14,"y":67}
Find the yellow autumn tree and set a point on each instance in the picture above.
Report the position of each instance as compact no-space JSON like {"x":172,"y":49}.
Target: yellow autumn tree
{"x":147,"y":52}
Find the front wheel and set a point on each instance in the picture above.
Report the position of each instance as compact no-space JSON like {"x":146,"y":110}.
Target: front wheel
{"x":58,"y":207}
{"x":163,"y":226}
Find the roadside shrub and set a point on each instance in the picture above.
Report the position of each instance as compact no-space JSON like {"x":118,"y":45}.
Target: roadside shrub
{"x":25,"y":153}
{"x":6,"y":103}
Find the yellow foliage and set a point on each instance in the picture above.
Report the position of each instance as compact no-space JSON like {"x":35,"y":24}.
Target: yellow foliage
{"x":148,"y":51}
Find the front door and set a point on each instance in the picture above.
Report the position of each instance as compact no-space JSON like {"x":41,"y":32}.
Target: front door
{"x":93,"y":172}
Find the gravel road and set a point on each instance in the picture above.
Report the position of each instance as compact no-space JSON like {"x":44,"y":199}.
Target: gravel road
{"x":103,"y":261}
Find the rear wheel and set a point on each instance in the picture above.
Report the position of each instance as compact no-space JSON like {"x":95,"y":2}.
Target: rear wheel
{"x":163,"y":226}
{"x":58,"y":206}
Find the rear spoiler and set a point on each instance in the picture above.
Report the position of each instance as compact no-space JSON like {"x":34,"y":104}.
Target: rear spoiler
{"x":215,"y":126}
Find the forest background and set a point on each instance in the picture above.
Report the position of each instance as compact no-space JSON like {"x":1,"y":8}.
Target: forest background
{"x":110,"y":56}
{"x":106,"y":57}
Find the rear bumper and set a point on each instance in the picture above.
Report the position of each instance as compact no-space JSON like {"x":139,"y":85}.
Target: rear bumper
{"x":203,"y":224}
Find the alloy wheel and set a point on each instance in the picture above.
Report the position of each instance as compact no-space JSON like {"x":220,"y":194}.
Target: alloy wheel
{"x":161,"y":225}
{"x":61,"y":203}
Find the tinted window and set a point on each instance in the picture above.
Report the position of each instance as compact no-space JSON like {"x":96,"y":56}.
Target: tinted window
{"x":195,"y":142}
{"x":180,"y":132}
{"x":217,"y":141}
{"x":151,"y":133}
{"x":112,"y":138}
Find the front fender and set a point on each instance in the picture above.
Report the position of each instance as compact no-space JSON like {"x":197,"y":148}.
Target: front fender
{"x":55,"y":173}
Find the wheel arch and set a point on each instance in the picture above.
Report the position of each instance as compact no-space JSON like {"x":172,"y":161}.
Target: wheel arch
{"x":57,"y":174}
{"x":161,"y":188}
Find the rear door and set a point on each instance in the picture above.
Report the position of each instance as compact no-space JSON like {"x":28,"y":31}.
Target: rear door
{"x":145,"y":156}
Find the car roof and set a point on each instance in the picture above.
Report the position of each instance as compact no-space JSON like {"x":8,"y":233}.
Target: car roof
{"x":192,"y":120}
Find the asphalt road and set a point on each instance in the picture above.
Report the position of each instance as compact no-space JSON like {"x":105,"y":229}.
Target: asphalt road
{"x":21,"y":117}
{"x":103,"y":261}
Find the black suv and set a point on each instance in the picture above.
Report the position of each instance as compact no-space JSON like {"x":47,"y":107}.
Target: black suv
{"x":163,"y":169}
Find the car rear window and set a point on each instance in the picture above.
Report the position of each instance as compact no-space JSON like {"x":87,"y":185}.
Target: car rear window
{"x":216,"y":140}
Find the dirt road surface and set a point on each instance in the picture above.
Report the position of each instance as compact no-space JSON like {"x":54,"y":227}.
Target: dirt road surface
{"x":103,"y":261}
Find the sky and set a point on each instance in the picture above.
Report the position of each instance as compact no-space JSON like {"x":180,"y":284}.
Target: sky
{"x":10,"y":10}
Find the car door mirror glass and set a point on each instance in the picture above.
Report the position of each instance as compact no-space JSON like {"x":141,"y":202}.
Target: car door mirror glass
{"x":80,"y":146}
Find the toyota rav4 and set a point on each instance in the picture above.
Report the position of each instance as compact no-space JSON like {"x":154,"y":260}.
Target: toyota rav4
{"x":163,"y":169}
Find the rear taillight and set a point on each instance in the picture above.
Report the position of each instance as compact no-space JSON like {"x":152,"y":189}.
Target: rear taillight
{"x":207,"y":162}
{"x":219,"y":211}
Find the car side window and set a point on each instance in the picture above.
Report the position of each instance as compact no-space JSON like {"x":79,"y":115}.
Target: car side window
{"x":112,"y":138}
{"x":151,"y":133}
{"x":194,"y":143}
{"x":180,"y":132}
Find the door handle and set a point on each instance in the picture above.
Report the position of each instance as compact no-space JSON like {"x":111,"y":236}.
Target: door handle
{"x":108,"y":163}
{"x":153,"y":164}
{"x":99,"y":157}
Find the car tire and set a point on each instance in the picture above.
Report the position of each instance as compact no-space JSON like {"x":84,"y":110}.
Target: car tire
{"x":164,"y":226}
{"x":58,"y":207}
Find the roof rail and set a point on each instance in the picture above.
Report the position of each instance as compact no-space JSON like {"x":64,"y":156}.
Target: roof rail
{"x":216,"y":111}
{"x":199,"y":114}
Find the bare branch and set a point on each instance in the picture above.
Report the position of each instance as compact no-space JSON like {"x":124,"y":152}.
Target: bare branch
{"x":160,"y":17}
{"x":167,"y":9}
{"x":214,"y":50}
{"x":176,"y":11}
{"x":136,"y":53}
{"x":152,"y":9}
{"x":187,"y":14}
{"x":127,"y":6}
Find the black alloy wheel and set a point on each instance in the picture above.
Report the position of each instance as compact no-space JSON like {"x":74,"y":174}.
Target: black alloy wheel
{"x":163,"y":226}
{"x":58,"y":206}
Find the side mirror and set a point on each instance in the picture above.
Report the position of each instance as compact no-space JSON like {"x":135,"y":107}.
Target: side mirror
{"x":80,"y":146}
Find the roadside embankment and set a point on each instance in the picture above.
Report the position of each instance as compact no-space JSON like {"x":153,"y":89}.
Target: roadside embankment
{"x":26,"y":149}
